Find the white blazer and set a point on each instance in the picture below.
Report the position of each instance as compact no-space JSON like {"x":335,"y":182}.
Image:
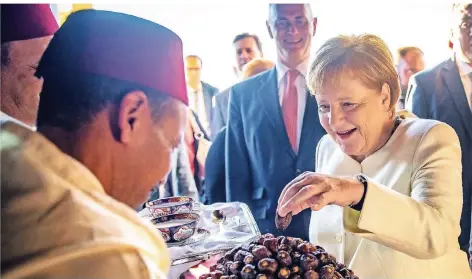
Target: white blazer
{"x":409,"y":224}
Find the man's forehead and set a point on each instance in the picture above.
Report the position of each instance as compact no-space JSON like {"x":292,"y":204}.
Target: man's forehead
{"x":284,"y":10}
{"x":246,"y":42}
{"x":29,"y":49}
{"x":193,"y":62}
{"x":413,"y":55}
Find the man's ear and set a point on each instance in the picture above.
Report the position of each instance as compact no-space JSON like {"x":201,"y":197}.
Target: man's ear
{"x":315,"y":23}
{"x":269,"y":30}
{"x":132,"y":113}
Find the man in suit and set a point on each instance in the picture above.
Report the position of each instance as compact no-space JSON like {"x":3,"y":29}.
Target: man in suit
{"x":26,"y":31}
{"x":215,"y":189}
{"x":200,"y":93}
{"x":410,"y":62}
{"x":273,"y":125}
{"x":444,"y":93}
{"x":247,"y":47}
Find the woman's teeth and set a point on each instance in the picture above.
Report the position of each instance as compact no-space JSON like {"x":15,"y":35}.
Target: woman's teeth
{"x":346,"y":132}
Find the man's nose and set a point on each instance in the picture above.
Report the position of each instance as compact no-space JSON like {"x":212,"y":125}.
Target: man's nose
{"x":292,"y":29}
{"x":243,"y":55}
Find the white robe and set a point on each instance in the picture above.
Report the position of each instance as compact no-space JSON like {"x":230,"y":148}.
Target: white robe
{"x":57,"y":221}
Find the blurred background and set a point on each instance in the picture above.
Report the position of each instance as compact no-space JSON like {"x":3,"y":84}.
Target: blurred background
{"x":207,"y":28}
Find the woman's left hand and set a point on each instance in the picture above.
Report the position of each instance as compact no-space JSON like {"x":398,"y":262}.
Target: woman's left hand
{"x":315,"y":191}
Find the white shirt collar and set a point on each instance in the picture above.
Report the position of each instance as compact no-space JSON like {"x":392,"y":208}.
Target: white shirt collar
{"x":5,"y":117}
{"x":190,"y":90}
{"x":462,"y":64}
{"x":282,"y":69}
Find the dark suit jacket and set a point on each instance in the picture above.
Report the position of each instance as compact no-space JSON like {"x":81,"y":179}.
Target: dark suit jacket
{"x":259,"y":158}
{"x":220,"y":111}
{"x":198,"y":172}
{"x":439,"y":94}
{"x":208,"y":93}
{"x":214,"y":189}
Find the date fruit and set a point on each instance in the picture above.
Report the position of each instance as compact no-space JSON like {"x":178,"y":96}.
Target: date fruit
{"x":311,"y":274}
{"x":268,"y":265}
{"x":271,"y":244}
{"x":261,"y":252}
{"x":249,"y":272}
{"x":284,"y":273}
{"x":282,"y":223}
{"x":284,"y":259}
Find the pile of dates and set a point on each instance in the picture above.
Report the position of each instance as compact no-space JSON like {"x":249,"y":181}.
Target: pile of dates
{"x":282,"y":257}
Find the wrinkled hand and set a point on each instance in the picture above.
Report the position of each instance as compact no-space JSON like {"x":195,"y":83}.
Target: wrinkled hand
{"x":315,"y":191}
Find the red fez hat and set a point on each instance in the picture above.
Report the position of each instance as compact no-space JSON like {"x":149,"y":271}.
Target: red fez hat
{"x":119,"y":46}
{"x":27,"y":21}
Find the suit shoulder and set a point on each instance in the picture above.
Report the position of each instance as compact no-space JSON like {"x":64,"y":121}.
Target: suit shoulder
{"x":249,"y":86}
{"x":210,"y":88}
{"x":431,"y":73}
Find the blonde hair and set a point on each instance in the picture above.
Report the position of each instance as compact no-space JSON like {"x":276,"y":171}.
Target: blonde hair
{"x":365,"y":57}
{"x":255,"y":67}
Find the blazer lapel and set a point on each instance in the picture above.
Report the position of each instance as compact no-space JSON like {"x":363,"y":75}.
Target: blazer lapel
{"x":269,"y":96}
{"x":310,"y":124}
{"x":207,"y":99}
{"x":456,"y":90}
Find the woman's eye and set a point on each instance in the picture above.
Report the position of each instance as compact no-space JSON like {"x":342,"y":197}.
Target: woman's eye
{"x":323,"y":108}
{"x":349,"y":105}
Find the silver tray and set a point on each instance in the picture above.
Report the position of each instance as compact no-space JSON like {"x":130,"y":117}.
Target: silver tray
{"x":239,"y":228}
{"x":200,"y":235}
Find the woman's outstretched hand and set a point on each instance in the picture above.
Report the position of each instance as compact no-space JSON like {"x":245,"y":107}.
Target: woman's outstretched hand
{"x":315,"y":191}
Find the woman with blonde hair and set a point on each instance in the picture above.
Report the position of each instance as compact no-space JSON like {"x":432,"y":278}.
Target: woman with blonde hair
{"x":386,"y":195}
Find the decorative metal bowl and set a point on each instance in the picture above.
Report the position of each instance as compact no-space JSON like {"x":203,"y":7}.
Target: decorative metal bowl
{"x":169,"y":206}
{"x":177,"y":227}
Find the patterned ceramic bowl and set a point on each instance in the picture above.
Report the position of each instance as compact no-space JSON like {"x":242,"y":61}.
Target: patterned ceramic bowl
{"x":169,"y":206}
{"x":177,"y":227}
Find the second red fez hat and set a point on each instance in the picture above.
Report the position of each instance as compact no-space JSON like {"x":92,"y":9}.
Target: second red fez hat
{"x":119,"y":46}
{"x":26,"y":21}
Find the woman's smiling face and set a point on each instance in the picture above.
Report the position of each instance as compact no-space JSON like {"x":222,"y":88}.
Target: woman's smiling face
{"x":355,"y":116}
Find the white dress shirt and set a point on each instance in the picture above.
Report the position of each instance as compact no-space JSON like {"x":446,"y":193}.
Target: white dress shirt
{"x":301,"y":90}
{"x":197,"y":104}
{"x":465,"y":71}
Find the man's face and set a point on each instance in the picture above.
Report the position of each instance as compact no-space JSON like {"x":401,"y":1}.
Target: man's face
{"x":411,"y":64}
{"x":149,"y":151}
{"x":462,"y":30}
{"x":20,"y":88}
{"x":246,"y":50}
{"x":292,"y":27}
{"x":193,"y":69}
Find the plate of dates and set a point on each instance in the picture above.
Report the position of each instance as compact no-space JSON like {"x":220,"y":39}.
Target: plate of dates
{"x":281,"y":257}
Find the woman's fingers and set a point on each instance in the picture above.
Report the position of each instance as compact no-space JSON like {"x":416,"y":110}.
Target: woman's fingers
{"x":289,"y":185}
{"x":322,"y":200}
{"x":301,"y":199}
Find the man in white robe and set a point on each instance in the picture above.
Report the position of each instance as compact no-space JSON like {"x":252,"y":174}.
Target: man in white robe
{"x":112,"y":109}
